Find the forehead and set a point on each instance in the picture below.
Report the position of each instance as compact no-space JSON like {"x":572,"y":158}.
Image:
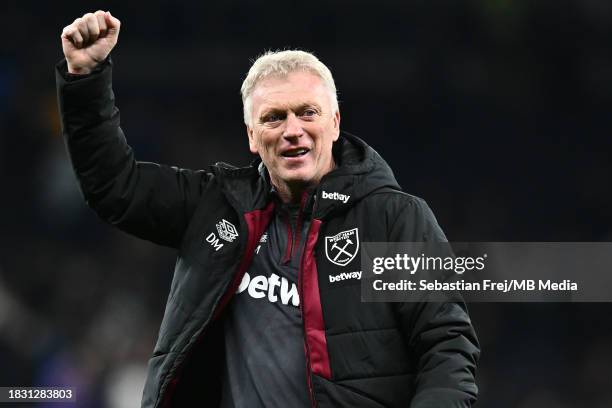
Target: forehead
{"x":285,"y":91}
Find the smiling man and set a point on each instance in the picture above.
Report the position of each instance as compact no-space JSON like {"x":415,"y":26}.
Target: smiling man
{"x":265,"y":306}
{"x":292,"y":121}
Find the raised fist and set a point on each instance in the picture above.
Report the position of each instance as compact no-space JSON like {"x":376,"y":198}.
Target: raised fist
{"x":88,"y":40}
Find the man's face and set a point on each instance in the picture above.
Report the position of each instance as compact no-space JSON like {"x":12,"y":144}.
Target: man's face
{"x":293,"y":128}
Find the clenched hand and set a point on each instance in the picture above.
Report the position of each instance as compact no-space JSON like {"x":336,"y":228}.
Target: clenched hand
{"x":88,"y":40}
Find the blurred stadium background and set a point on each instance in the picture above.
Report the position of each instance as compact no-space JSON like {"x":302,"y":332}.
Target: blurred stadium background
{"x":497,"y":112}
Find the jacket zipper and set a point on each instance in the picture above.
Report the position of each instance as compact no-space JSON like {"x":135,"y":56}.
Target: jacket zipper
{"x":298,"y":222}
{"x":294,"y":234}
{"x":313,"y":401}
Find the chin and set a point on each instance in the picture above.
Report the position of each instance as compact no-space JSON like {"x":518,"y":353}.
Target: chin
{"x":298,"y":179}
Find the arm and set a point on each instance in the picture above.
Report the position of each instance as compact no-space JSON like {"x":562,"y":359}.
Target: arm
{"x":151,"y":201}
{"x":440,"y":335}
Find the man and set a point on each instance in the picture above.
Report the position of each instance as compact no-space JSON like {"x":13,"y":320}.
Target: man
{"x":255,"y":317}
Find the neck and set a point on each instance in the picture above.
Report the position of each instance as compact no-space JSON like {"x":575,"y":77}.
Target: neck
{"x":291,"y":192}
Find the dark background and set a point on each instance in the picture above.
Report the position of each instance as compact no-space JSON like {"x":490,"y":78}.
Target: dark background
{"x":494,"y":111}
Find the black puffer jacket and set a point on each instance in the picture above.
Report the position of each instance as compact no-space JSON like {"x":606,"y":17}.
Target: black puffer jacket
{"x":358,"y":354}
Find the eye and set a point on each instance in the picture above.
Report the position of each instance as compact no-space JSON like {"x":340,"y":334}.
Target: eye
{"x":309,"y":112}
{"x":271,"y":117}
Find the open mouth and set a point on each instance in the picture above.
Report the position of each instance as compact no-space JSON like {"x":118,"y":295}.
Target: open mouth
{"x":295,"y":152}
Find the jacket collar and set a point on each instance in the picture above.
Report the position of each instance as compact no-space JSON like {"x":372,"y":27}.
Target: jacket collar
{"x":359,"y":171}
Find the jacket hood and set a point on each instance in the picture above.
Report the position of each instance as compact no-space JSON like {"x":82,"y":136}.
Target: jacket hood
{"x":359,"y":171}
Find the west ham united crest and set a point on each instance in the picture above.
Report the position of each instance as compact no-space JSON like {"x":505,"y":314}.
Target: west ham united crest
{"x":342,"y":248}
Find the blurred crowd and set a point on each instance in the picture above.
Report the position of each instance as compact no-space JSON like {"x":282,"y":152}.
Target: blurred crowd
{"x":495,"y":112}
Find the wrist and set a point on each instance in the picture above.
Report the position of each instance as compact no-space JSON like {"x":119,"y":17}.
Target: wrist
{"x":78,"y":70}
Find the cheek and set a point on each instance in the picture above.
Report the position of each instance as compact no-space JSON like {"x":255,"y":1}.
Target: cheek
{"x":266,"y":144}
{"x":325,"y":142}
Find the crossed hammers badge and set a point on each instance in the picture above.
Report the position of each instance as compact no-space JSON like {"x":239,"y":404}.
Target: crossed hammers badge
{"x":341,"y":248}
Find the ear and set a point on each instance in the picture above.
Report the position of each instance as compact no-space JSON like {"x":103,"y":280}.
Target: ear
{"x":252,"y":141}
{"x":336,"y":125}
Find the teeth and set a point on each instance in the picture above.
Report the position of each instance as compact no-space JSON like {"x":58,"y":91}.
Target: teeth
{"x":297,"y":152}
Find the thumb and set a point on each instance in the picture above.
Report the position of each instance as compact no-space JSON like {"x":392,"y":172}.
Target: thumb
{"x":113,"y":24}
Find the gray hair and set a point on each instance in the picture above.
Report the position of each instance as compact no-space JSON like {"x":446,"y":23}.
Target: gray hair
{"x":281,"y":63}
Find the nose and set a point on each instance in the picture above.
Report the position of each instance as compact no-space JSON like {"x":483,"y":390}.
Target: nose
{"x":293,"y":126}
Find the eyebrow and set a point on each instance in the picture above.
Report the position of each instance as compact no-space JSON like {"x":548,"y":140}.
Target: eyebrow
{"x":296,"y":108}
